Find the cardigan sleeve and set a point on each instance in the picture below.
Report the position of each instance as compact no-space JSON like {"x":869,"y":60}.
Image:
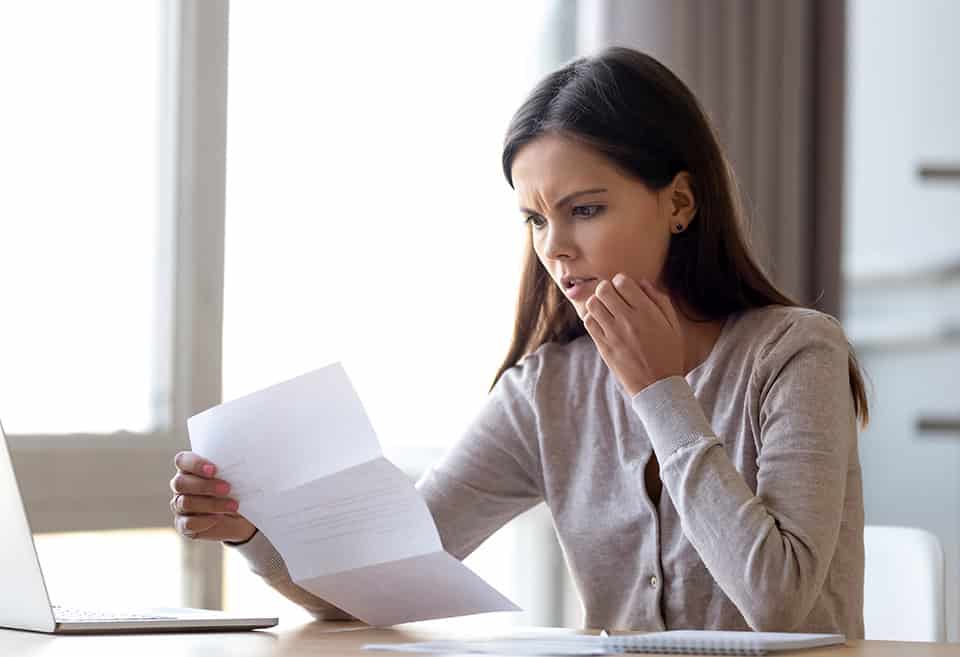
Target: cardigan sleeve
{"x":264,"y":560}
{"x":769,"y":550}
{"x":493,"y":472}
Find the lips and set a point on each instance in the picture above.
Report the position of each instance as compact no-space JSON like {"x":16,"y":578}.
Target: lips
{"x":566,"y":281}
{"x":580,"y":289}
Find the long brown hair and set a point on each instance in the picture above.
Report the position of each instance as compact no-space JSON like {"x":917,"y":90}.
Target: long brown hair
{"x":632,"y":109}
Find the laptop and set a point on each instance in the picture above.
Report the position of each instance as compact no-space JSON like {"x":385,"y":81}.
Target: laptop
{"x":25,"y":605}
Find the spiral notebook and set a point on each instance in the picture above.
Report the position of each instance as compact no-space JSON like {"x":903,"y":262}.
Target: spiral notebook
{"x":687,"y":642}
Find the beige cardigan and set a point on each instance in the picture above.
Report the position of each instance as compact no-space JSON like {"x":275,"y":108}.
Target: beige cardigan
{"x":760,"y":524}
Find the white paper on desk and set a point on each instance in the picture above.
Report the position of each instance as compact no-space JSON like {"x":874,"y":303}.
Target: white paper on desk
{"x":694,"y":642}
{"x":306,"y":467}
{"x":512,"y":647}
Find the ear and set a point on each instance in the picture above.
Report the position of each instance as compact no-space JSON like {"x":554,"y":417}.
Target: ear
{"x":679,"y":202}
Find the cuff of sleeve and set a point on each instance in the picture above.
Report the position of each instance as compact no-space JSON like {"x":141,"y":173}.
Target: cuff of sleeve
{"x":261,"y":556}
{"x":671,"y":415}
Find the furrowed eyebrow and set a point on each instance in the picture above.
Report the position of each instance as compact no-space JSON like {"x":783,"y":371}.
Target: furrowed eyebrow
{"x":569,"y":197}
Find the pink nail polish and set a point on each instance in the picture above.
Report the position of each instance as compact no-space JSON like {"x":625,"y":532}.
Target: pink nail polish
{"x":208,"y":470}
{"x":222,"y":488}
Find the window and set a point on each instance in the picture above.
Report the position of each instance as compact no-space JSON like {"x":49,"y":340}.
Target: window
{"x":367,"y":218}
{"x":78,"y":254}
{"x":103,"y":221}
{"x":368,"y":221}
{"x":86,"y":385}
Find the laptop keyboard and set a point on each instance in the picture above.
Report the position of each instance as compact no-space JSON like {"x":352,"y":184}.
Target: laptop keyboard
{"x":74,"y":615}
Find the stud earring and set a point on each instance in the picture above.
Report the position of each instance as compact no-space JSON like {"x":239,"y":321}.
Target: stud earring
{"x":678,"y":228}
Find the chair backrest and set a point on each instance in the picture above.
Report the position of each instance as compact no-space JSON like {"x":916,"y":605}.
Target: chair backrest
{"x":903,"y":585}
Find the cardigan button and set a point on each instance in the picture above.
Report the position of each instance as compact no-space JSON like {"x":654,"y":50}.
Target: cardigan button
{"x":653,"y":581}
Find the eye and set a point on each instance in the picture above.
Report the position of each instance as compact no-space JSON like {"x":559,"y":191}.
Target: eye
{"x":532,"y":219}
{"x":594,"y":210}
{"x":591,"y":211}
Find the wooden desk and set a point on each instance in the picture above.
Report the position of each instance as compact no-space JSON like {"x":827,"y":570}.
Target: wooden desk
{"x":343,"y":640}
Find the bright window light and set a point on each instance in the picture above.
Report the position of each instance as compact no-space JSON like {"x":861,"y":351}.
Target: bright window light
{"x":368,"y":220}
{"x":77,"y":214}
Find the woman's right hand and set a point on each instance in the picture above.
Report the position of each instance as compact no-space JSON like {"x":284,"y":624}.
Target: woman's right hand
{"x":201,"y":504}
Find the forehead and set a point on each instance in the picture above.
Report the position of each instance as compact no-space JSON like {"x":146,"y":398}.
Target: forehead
{"x":551,"y":165}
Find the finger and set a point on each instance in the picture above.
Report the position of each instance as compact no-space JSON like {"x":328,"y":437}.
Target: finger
{"x":612,"y":299}
{"x":628,"y":289}
{"x":660,"y":299}
{"x":599,"y":310}
{"x":638,"y":294}
{"x":190,"y":526}
{"x":193,"y":463}
{"x":593,"y":326}
{"x":194,"y":485}
{"x":200,"y":504}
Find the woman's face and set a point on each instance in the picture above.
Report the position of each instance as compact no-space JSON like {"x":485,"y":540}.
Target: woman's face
{"x":588,"y":219}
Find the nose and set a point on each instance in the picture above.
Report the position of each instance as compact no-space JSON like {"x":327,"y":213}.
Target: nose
{"x":557,"y":243}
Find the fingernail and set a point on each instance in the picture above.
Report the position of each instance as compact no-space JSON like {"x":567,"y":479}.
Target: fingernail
{"x":222,"y":488}
{"x":232,"y":505}
{"x":208,"y":470}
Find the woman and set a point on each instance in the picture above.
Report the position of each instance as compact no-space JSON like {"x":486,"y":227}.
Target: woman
{"x":650,"y":353}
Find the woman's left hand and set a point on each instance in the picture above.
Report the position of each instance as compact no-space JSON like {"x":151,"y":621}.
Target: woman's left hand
{"x":636,"y":330}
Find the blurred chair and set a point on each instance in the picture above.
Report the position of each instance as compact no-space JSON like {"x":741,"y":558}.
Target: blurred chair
{"x":903,"y":585}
